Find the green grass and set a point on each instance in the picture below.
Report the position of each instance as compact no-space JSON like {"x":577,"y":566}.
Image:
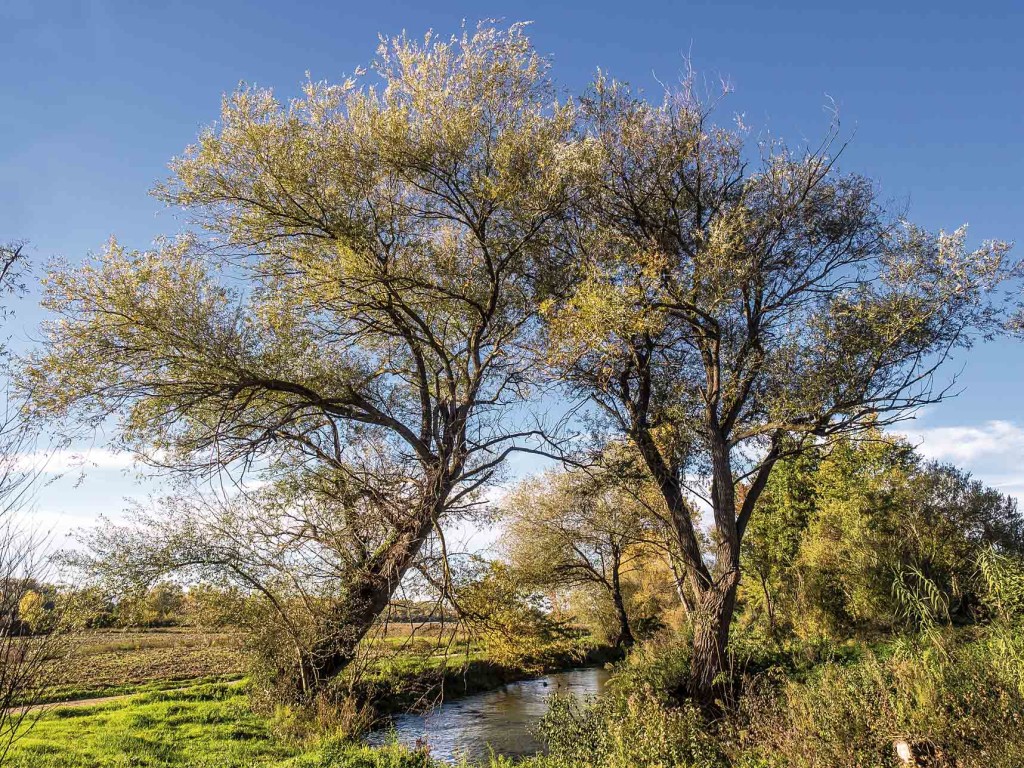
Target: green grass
{"x":61,"y":694}
{"x":960,"y":691}
{"x":208,"y":726}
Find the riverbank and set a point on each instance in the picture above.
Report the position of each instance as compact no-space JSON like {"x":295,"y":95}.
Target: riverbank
{"x":390,"y":694}
{"x":398,"y":675}
{"x":214,"y":726}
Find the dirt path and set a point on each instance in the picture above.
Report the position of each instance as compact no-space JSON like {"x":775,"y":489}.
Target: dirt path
{"x":94,"y":701}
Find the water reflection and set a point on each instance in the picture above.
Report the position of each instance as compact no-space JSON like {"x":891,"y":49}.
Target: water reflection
{"x":498,"y":720}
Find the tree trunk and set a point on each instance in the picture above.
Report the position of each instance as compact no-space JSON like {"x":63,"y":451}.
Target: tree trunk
{"x":368,"y":596}
{"x":711,"y":620}
{"x":625,"y":639}
{"x":713,"y":588}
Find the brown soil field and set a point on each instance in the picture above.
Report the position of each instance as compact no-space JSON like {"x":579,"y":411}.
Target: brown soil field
{"x":114,"y":661}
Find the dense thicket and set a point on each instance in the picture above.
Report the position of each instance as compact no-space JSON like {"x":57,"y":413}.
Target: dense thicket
{"x":865,"y":538}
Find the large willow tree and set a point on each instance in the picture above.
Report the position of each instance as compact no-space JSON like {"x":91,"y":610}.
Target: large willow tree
{"x":347,"y":327}
{"x":738,"y":303}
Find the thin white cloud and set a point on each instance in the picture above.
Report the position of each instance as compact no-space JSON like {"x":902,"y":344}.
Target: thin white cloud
{"x":65,"y":460}
{"x":998,"y":441}
{"x":993,"y":452}
{"x":1011,"y":484}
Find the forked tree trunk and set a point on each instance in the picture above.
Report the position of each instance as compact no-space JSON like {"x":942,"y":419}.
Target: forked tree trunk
{"x":713,"y":587}
{"x":711,"y":620}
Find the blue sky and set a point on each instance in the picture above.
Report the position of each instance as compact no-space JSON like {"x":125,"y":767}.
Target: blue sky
{"x":98,"y":96}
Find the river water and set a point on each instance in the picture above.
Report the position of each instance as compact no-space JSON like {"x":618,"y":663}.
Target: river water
{"x":500,"y":720}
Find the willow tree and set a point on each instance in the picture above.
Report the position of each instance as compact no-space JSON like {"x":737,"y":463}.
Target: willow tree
{"x":350,"y":320}
{"x":576,"y":529}
{"x":729,"y":311}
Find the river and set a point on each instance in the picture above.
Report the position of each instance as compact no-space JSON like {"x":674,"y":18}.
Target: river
{"x":500,"y":720}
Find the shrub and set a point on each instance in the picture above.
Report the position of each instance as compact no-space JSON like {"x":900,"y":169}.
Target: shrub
{"x":962,"y":696}
{"x":658,"y":665}
{"x":636,"y":730}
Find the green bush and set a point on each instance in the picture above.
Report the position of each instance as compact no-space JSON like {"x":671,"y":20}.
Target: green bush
{"x":638,"y":730}
{"x":660,"y":665}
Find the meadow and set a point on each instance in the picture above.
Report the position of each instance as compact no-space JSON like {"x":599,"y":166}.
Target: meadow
{"x":203,"y":726}
{"x":177,"y":696}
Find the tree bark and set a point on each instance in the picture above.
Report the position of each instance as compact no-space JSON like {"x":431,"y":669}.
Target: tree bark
{"x":711,"y":621}
{"x":625,"y":639}
{"x":368,"y":596}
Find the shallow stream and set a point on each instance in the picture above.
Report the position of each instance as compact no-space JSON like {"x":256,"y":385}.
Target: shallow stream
{"x":501,"y":720}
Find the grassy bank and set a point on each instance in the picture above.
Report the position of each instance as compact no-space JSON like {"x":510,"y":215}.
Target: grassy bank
{"x":208,"y":726}
{"x":954,"y":697}
{"x":178,"y":716}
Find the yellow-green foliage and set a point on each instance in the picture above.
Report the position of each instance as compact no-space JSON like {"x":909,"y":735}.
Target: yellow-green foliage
{"x":634,"y":731}
{"x":32,"y":610}
{"x":842,"y":553}
{"x":594,"y":538}
{"x":960,"y":693}
{"x":500,"y":614}
{"x":865,"y":538}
